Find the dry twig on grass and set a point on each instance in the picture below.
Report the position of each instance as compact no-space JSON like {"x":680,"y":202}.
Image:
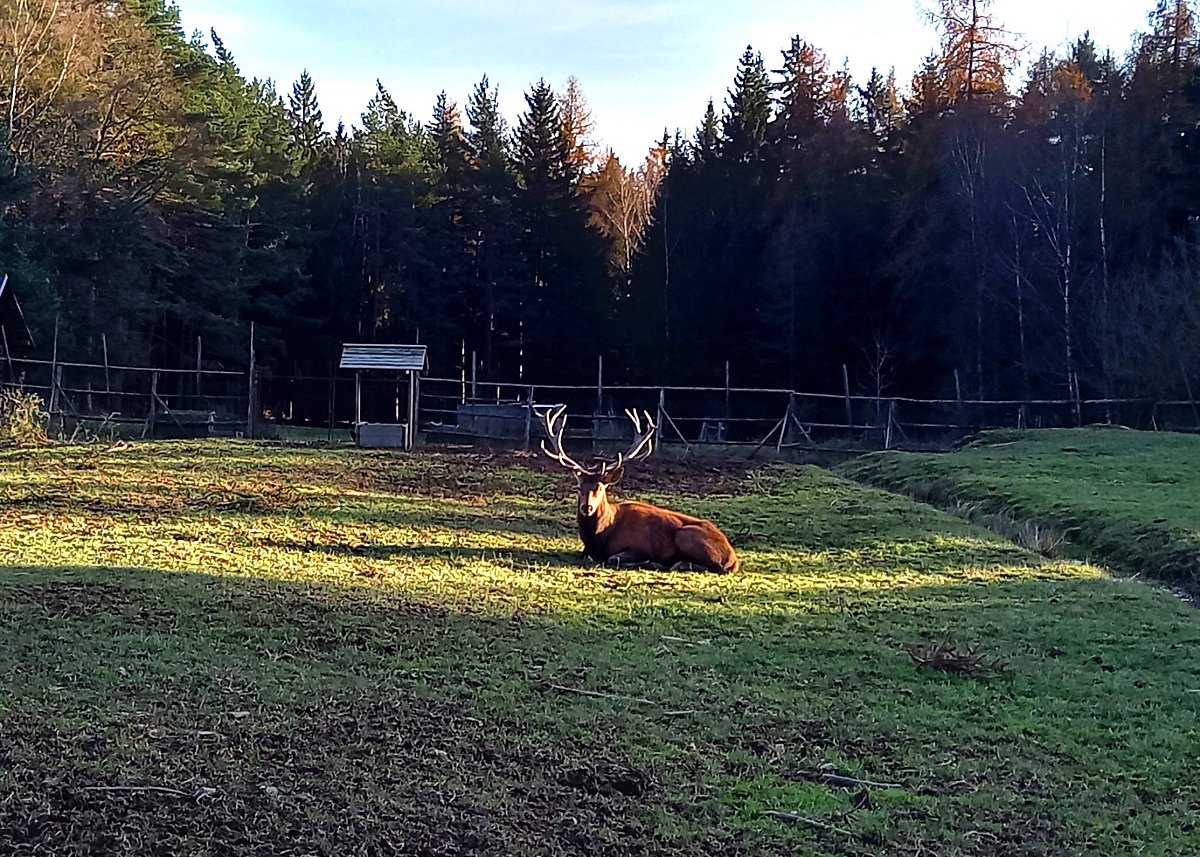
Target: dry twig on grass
{"x":601,"y":695}
{"x":943,"y":655}
{"x":853,"y":782}
{"x":796,"y":818}
{"x":202,"y":792}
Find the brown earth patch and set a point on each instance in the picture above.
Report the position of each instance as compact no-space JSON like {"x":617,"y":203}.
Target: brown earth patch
{"x":661,"y":475}
{"x":409,"y":776}
{"x":464,"y":475}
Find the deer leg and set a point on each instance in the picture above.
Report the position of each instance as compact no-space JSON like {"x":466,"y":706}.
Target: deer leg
{"x":699,"y":548}
{"x":632,"y":559}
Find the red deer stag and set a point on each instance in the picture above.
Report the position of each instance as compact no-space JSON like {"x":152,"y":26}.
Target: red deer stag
{"x":632,"y":533}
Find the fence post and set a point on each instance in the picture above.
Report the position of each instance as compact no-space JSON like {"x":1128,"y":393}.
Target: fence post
{"x":357,"y":400}
{"x":787,"y":422}
{"x":410,"y":435}
{"x":150,"y":419}
{"x":846,"y":392}
{"x":662,"y":407}
{"x":107,"y":382}
{"x":416,"y":407}
{"x":1187,"y":384}
{"x":960,"y":414}
{"x":332,"y":400}
{"x":250,"y":388}
{"x":529,"y":419}
{"x":199,"y":357}
{"x":53,"y":404}
{"x":12,"y":376}
{"x":891,"y":417}
{"x":473,"y":379}
{"x":60,"y":396}
{"x":728,"y":412}
{"x":599,"y":384}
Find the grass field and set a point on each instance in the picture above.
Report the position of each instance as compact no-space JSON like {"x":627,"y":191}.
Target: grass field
{"x":224,"y":648}
{"x":1128,"y":499}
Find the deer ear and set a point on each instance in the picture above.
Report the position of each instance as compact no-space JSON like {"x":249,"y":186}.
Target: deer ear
{"x":613,"y":476}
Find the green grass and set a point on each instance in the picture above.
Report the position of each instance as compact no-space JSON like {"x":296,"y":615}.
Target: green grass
{"x":224,"y":648}
{"x":1128,"y":499}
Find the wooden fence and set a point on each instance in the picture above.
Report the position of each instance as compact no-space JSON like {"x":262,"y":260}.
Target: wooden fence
{"x":145,"y":401}
{"x":169,"y":402}
{"x":509,"y":414}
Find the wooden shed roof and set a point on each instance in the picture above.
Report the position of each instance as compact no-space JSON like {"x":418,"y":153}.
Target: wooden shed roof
{"x":382,"y":356}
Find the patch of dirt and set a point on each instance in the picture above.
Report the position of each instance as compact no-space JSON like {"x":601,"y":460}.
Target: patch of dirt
{"x":662,"y":475}
{"x":1032,"y":834}
{"x":408,"y":776}
{"x":465,"y":475}
{"x":437,"y":475}
{"x":607,"y":779}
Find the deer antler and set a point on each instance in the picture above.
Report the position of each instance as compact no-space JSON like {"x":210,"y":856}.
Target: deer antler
{"x":643,"y":440}
{"x":555,"y":421}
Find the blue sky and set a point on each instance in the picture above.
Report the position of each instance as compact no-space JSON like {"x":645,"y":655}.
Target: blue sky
{"x":644,"y":65}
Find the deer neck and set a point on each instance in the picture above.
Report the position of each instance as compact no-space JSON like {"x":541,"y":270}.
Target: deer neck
{"x":593,"y":527}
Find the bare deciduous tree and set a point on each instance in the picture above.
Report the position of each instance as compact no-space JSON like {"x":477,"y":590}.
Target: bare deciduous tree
{"x":621,"y":204}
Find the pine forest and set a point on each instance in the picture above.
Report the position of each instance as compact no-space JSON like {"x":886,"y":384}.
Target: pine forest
{"x":1021,"y":235}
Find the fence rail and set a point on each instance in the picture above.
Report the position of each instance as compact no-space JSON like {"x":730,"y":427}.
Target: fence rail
{"x":162,"y":401}
{"x":509,"y":414}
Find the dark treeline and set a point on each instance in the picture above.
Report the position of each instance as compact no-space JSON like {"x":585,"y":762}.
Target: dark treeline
{"x":1016,"y":238}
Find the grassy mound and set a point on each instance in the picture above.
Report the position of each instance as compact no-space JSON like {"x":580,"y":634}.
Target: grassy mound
{"x":1128,"y":499}
{"x":217,"y":648}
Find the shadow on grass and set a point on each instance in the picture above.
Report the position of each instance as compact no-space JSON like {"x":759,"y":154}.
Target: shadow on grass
{"x":322,"y":715}
{"x":522,"y":556}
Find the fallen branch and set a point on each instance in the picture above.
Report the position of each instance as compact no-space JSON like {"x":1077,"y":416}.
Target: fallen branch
{"x":795,"y":818}
{"x":854,"y":782}
{"x":601,"y":695}
{"x":686,"y":641}
{"x":156,"y":789}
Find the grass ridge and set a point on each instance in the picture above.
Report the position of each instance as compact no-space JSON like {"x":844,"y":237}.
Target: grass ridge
{"x":1130,"y":500}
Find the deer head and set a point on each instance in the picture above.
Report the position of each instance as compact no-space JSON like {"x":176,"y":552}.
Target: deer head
{"x":593,"y":481}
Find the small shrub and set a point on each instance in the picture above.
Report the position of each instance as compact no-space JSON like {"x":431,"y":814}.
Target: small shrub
{"x":22,"y":418}
{"x":1041,"y":539}
{"x":933,"y":492}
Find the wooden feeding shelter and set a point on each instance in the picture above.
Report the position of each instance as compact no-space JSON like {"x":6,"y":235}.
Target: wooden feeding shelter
{"x":404,"y":360}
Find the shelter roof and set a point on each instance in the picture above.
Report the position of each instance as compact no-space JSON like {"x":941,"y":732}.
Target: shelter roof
{"x":384,"y":356}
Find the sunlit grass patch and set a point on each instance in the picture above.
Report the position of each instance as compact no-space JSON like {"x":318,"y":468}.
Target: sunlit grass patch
{"x":1127,"y":498}
{"x":271,"y":648}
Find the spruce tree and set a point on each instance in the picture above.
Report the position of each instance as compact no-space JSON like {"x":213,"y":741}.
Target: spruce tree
{"x":304,"y":113}
{"x":561,"y":312}
{"x":498,"y":249}
{"x":748,"y":109}
{"x":707,"y":140}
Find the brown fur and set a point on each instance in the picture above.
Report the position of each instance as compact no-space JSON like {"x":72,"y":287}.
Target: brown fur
{"x":641,"y":534}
